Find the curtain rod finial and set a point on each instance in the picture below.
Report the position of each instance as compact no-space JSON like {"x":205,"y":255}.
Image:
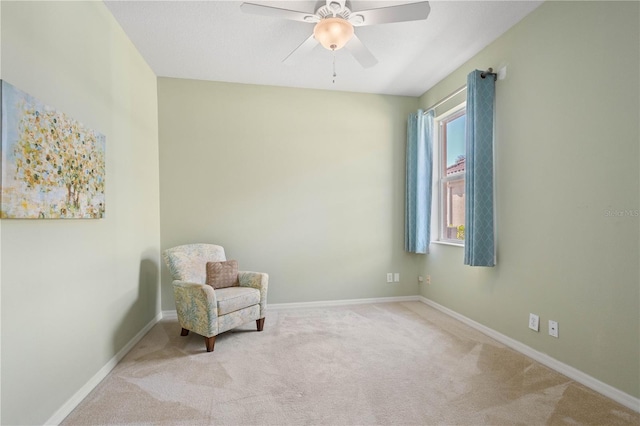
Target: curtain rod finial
{"x":489,"y":71}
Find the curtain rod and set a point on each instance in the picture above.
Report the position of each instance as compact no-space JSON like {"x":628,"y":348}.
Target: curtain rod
{"x":460,"y":89}
{"x":443,"y":100}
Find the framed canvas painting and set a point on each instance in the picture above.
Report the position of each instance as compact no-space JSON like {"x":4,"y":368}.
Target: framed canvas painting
{"x":52,"y":166}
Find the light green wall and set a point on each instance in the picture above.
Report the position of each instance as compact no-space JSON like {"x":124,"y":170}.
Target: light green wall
{"x":305,"y":185}
{"x":309,"y":186}
{"x":74,"y":292}
{"x":567,"y":142}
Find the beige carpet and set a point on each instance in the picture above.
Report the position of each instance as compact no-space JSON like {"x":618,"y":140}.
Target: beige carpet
{"x":387,"y":363}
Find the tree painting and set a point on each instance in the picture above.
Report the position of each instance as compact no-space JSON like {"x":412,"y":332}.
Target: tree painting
{"x":52,"y":166}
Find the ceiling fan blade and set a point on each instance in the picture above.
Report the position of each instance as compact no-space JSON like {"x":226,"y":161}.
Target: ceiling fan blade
{"x":360,"y":52}
{"x":275,"y":12}
{"x":306,"y":47}
{"x":386,"y":15}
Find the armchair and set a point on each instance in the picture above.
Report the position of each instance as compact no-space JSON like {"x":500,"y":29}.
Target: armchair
{"x":207,"y":311}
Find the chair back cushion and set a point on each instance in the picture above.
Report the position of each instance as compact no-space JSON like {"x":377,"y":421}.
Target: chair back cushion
{"x":189,"y":262}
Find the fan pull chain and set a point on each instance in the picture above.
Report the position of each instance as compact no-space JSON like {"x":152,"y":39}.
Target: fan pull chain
{"x":334,"y":67}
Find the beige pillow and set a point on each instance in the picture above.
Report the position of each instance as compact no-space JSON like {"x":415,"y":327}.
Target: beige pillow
{"x":222,"y":274}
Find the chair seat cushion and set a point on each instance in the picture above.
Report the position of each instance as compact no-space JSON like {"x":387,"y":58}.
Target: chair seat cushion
{"x":231,"y":299}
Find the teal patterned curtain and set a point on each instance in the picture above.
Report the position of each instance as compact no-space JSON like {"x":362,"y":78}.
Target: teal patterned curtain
{"x":418,"y":183}
{"x":479,"y":245}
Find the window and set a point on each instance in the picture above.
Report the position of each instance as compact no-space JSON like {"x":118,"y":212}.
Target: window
{"x":450,"y":131}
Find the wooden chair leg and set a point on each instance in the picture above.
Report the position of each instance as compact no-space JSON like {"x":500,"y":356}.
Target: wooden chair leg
{"x":260,"y":324}
{"x":184,"y":332}
{"x":210,"y":342}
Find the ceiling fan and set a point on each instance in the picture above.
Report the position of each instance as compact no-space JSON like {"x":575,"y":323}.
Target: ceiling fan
{"x":334,"y":22}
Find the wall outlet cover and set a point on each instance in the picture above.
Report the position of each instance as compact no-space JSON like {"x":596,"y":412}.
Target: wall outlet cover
{"x":534,"y":322}
{"x":553,"y":328}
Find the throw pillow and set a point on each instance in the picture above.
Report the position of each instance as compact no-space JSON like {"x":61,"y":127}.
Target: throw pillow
{"x":222,"y":274}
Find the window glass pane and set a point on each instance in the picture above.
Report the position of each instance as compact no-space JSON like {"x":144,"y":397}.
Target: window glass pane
{"x":452,"y":176}
{"x":455,"y":210}
{"x":455,"y":143}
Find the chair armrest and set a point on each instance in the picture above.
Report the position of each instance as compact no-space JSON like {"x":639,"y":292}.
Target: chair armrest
{"x":197,"y":307}
{"x":257,"y":280}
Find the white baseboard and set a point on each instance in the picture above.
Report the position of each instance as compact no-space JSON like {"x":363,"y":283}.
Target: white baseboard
{"x":322,"y":304}
{"x":327,"y":303}
{"x":82,"y":393}
{"x":169,"y":314}
{"x":544,"y":359}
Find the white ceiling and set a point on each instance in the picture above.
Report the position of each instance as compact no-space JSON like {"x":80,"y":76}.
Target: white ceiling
{"x":214,"y":40}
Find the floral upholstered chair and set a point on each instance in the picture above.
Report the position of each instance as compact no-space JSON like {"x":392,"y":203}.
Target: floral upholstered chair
{"x":211,"y":296}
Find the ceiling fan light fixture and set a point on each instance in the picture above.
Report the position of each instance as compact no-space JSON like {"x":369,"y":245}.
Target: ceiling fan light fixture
{"x":333,"y":33}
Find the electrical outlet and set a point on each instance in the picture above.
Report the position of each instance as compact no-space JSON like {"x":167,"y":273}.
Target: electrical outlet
{"x":553,"y":328}
{"x":420,"y":279}
{"x":534,"y":322}
{"x":428,"y":279}
{"x":389,"y":277}
{"x":396,"y":277}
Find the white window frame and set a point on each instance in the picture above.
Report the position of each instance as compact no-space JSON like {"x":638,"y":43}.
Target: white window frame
{"x":439,"y":195}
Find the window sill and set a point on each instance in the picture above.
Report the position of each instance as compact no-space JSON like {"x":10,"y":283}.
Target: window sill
{"x":448,"y":243}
